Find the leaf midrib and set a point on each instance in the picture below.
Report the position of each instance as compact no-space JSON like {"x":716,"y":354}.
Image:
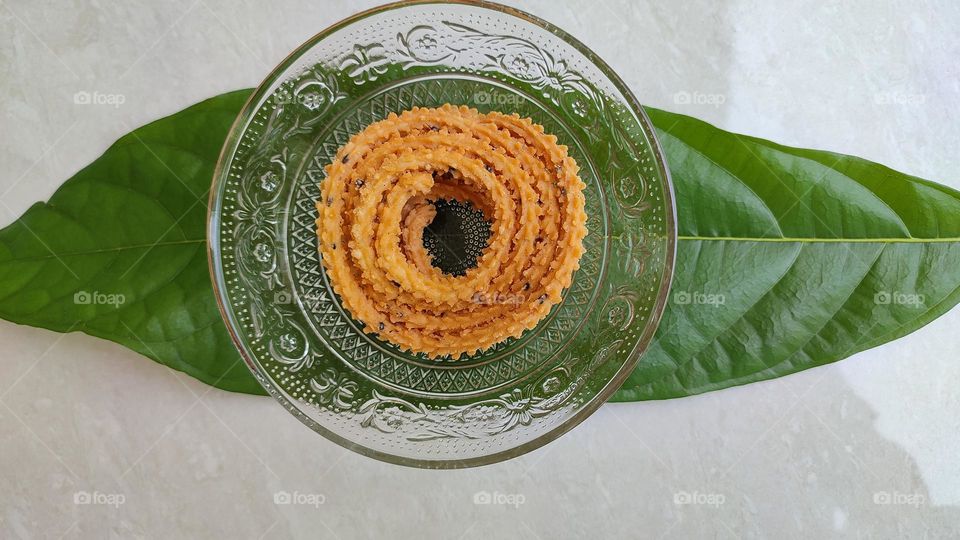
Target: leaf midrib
{"x":106,"y":250}
{"x":783,"y":240}
{"x":813,"y":240}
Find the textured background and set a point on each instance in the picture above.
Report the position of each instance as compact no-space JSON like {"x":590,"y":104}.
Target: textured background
{"x":814,"y":455}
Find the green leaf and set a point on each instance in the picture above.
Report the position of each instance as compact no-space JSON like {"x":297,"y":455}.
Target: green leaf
{"x":782,"y":256}
{"x":119,"y":251}
{"x":790,"y":259}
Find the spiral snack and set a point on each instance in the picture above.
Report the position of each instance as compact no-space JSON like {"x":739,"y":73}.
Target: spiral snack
{"x":377,"y":198}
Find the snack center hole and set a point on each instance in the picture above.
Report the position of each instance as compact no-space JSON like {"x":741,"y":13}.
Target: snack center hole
{"x":456,"y":237}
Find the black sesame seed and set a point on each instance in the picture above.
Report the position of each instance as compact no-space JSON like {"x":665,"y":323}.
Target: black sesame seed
{"x":542,"y":298}
{"x":334,"y":246}
{"x":382,"y":326}
{"x":526,"y":286}
{"x":434,"y":128}
{"x":345,"y":158}
{"x":489,"y":168}
{"x":359,"y":183}
{"x":329,"y":201}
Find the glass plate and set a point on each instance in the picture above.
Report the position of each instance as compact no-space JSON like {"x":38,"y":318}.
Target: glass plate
{"x":292,"y":330}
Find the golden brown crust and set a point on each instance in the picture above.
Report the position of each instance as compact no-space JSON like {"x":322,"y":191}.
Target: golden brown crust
{"x":376,"y":201}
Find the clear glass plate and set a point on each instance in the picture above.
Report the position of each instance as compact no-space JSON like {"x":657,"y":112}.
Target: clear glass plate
{"x":290,"y":327}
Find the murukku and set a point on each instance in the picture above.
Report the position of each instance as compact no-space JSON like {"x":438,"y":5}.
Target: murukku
{"x":378,"y":198}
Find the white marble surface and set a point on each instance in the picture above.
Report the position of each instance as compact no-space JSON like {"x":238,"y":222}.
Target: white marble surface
{"x":803,"y":457}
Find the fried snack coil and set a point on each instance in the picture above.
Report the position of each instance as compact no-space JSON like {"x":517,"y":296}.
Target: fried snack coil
{"x":377,"y":198}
